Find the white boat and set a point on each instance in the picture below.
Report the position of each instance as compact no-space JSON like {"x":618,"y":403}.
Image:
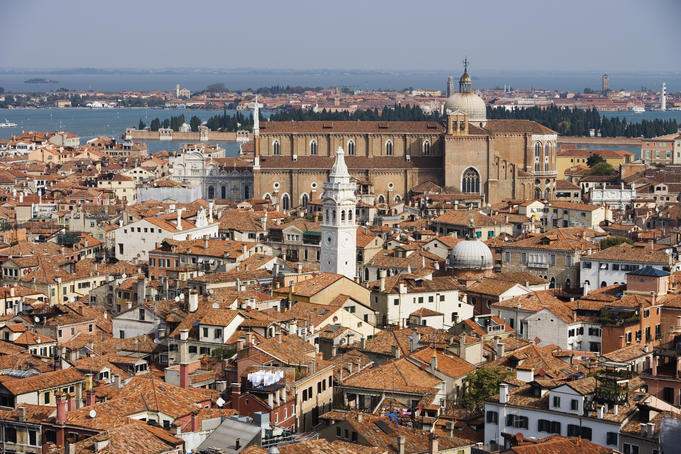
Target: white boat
{"x":638,"y":109}
{"x":7,"y":124}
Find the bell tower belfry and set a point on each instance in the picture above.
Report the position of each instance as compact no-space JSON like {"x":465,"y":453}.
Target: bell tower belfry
{"x":339,"y":240}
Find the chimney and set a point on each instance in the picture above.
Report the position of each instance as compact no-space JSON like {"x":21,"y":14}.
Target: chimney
{"x":22,"y":414}
{"x":238,"y":444}
{"x":498,"y":349}
{"x":210,"y":212}
{"x":382,"y":274}
{"x":193,"y":300}
{"x":586,"y":288}
{"x":179,"y":219}
{"x":71,"y":401}
{"x":90,"y":396}
{"x":651,"y":245}
{"x":644,"y":429}
{"x":395,"y":351}
{"x":651,"y":429}
{"x":195,"y":421}
{"x":249,"y":339}
{"x":363,"y":343}
{"x":414,"y":340}
{"x":184,"y":359}
{"x":503,"y":393}
{"x":433,"y":361}
{"x":61,"y":407}
{"x":401,"y":441}
{"x":615,"y":409}
{"x":240,"y":344}
{"x":313,"y":366}
{"x":235,"y":393}
{"x":450,"y":428}
{"x":432,"y":443}
{"x":599,"y":411}
{"x":278,"y":336}
{"x":205,"y":242}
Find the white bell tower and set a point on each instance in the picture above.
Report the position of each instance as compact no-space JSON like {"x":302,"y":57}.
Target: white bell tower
{"x":339,"y":251}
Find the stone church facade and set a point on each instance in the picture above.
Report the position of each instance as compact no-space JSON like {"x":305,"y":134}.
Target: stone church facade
{"x":498,"y":159}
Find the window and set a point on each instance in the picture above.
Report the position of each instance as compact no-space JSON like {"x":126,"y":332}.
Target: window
{"x":313,"y":147}
{"x":523,"y":257}
{"x":218,"y":333}
{"x":537,"y":156}
{"x":10,"y":434}
{"x":629,"y":448}
{"x":46,"y":397}
{"x":141,"y":315}
{"x":576,"y":431}
{"x":492,"y":417}
{"x":275,"y":147}
{"x":33,"y":438}
{"x":304,"y":395}
{"x":338,"y":431}
{"x":668,"y":395}
{"x":586,"y":265}
{"x":470,"y":182}
{"x":426,"y":148}
{"x":507,"y":257}
{"x":389,"y":147}
{"x":519,"y":422}
{"x":351,"y":147}
{"x":396,"y":302}
{"x":574,"y":404}
{"x":121,"y":334}
{"x":556,"y":401}
{"x":611,"y":438}
{"x":205,"y":332}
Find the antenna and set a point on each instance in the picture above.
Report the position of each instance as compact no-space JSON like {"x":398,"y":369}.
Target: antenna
{"x":466,"y":63}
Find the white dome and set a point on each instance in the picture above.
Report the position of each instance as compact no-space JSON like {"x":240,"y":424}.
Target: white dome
{"x":471,"y":255}
{"x":468,"y":103}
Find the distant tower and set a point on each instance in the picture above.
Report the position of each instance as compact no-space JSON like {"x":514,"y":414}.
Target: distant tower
{"x":339,"y":241}
{"x":605,"y":84}
{"x":256,"y":132}
{"x":450,"y":86}
{"x":177,"y":90}
{"x":663,"y":97}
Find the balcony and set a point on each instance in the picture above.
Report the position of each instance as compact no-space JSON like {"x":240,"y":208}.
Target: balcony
{"x":545,"y":173}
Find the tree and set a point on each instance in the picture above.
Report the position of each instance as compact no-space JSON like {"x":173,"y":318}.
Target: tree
{"x":614,"y":241}
{"x":594,"y":159}
{"x":166,"y":123}
{"x":141,"y":125}
{"x":195,"y":122}
{"x":601,"y":169}
{"x":481,"y":384}
{"x":155,"y":124}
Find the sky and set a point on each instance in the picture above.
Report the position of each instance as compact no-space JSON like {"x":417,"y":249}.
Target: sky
{"x":523,"y":35}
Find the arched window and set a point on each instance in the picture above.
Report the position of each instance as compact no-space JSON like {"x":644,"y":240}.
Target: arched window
{"x":604,"y":284}
{"x":342,"y":215}
{"x":351,"y":147}
{"x":275,"y":147}
{"x":537,"y":193}
{"x":552,"y":283}
{"x":313,"y":147}
{"x":304,"y":199}
{"x":537,"y":156}
{"x":326,"y":216}
{"x":223,"y":192}
{"x":285,"y":202}
{"x":389,"y":147}
{"x":381,"y":199}
{"x":349,"y":215}
{"x":547,"y":194}
{"x":471,"y":181}
{"x":334,"y":215}
{"x":426,"y":148}
{"x":211,"y":192}
{"x":547,"y":154}
{"x":567,"y":283}
{"x":398,"y":199}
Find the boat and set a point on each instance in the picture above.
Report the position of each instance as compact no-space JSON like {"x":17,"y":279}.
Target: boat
{"x":7,"y":124}
{"x":638,"y":109}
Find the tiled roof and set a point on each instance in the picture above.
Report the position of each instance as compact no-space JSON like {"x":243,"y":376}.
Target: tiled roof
{"x":536,"y":301}
{"x":380,"y":127}
{"x":395,"y":375}
{"x":18,"y":386}
{"x":314,"y":285}
{"x":557,"y":444}
{"x":627,"y":253}
{"x":452,"y":366}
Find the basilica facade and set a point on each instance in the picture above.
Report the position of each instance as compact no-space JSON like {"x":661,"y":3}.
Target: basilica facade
{"x":467,"y":153}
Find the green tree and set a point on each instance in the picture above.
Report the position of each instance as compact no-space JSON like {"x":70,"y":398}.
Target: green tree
{"x":166,"y":123}
{"x":594,"y":159}
{"x":614,"y":241}
{"x":481,"y":384}
{"x":141,"y":125}
{"x":195,"y":122}
{"x":601,"y":169}
{"x":155,"y":124}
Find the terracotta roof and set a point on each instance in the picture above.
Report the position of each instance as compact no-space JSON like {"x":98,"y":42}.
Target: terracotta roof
{"x":18,"y":386}
{"x":379,"y":127}
{"x":396,"y":375}
{"x":557,"y":444}
{"x":625,"y":252}
{"x":450,"y":365}
{"x":314,"y":285}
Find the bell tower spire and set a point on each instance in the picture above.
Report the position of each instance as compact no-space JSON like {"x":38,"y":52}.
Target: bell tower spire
{"x":339,"y":231}
{"x":465,"y":80}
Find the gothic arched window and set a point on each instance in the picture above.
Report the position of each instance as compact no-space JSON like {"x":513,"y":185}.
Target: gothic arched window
{"x":304,"y":199}
{"x":313,"y":147}
{"x":471,"y":181}
{"x":351,"y":147}
{"x":381,"y":199}
{"x":275,"y":147}
{"x":342,"y":215}
{"x":285,"y":202}
{"x":211,"y":192}
{"x":547,"y":153}
{"x":537,"y":193}
{"x":537,"y":156}
{"x":426,"y":148}
{"x":389,"y":147}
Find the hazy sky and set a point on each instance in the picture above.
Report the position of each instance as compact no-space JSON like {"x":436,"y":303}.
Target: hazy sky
{"x":598,"y":35}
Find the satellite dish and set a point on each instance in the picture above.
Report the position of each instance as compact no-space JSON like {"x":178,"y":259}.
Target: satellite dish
{"x":93,"y":413}
{"x":156,"y":340}
{"x":177,"y":299}
{"x":72,"y":299}
{"x":220,"y":402}
{"x":37,"y":319}
{"x":211,"y":291}
{"x":124,"y":275}
{"x":181,"y":296}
